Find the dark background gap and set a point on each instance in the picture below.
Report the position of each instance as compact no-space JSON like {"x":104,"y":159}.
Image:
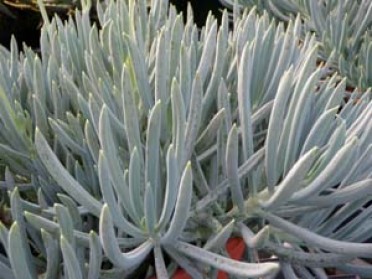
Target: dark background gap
{"x":26,"y":24}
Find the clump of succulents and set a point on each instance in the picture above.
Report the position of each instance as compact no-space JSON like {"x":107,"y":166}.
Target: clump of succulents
{"x":145,"y":144}
{"x":343,"y":29}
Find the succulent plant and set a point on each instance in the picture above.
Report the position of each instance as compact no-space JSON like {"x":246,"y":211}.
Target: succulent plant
{"x":146,"y":138}
{"x":343,"y":29}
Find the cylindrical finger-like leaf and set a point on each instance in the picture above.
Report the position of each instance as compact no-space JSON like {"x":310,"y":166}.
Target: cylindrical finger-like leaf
{"x":325,"y":243}
{"x":292,"y":181}
{"x":178,"y":122}
{"x":358,"y":190}
{"x":135,"y":183}
{"x":232,"y":157}
{"x":208,"y":52}
{"x":182,"y":209}
{"x":71,"y":262}
{"x":252,"y":270}
{"x":114,"y":167}
{"x":338,"y":164}
{"x":131,"y":120}
{"x":66,"y":225}
{"x":172,"y":187}
{"x":244,"y":101}
{"x":275,"y":129}
{"x":17,"y":254}
{"x":223,"y":186}
{"x":161,"y":270}
{"x":252,"y":240}
{"x":218,"y":241}
{"x":150,"y":212}
{"x":62,"y":177}
{"x":95,"y":256}
{"x":193,"y":118}
{"x":111,"y":247}
{"x":110,"y":200}
{"x":53,"y":255}
{"x":210,"y":133}
{"x":153,"y":152}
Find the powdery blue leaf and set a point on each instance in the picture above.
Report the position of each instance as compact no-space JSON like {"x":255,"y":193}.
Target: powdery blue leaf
{"x":301,"y":111}
{"x":39,"y":222}
{"x":135,"y":183}
{"x":319,"y":130}
{"x":17,"y":208}
{"x":209,"y":134}
{"x":161,"y":270}
{"x":252,"y":270}
{"x":111,"y":201}
{"x":178,"y":122}
{"x":71,"y":262}
{"x":218,"y":241}
{"x":128,"y":260}
{"x":65,"y":138}
{"x":275,"y":128}
{"x":114,"y":167}
{"x":245,"y":70}
{"x":140,"y":78}
{"x":131,"y":118}
{"x":206,"y":59}
{"x":152,"y":161}
{"x":150,"y":212}
{"x":187,"y":264}
{"x":66,"y":225}
{"x":350,"y":193}
{"x":18,"y":254}
{"x":306,"y":259}
{"x":62,"y":177}
{"x":292,"y":181}
{"x":243,"y":170}
{"x":193,"y":119}
{"x":338,"y":164}
{"x":172,"y":187}
{"x":6,"y":271}
{"x":232,"y":158}
{"x":182,"y":208}
{"x":252,"y":240}
{"x":95,"y":256}
{"x":53,"y":255}
{"x":322,"y":242}
{"x":73,"y":210}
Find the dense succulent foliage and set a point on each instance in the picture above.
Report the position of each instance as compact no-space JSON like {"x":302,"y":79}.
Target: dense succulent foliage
{"x":343,"y":29}
{"x":146,"y":138}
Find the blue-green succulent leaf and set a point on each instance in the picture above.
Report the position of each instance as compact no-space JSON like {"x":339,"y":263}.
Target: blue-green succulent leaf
{"x":62,"y":177}
{"x":232,"y":159}
{"x":95,"y":256}
{"x":252,"y":270}
{"x":152,"y":162}
{"x":110,"y":244}
{"x":182,"y":207}
{"x":219,"y":240}
{"x":71,"y":262}
{"x":136,"y":188}
{"x":292,"y":181}
{"x":53,"y":257}
{"x":161,"y":270}
{"x":322,"y":242}
{"x":112,"y":203}
{"x":18,"y":254}
{"x":66,"y":224}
